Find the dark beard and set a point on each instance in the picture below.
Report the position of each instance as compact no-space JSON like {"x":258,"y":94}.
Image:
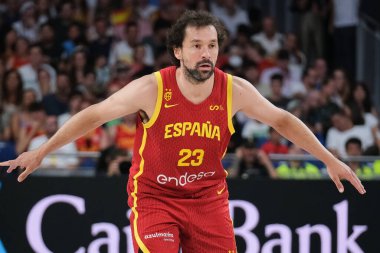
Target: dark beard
{"x":196,"y":76}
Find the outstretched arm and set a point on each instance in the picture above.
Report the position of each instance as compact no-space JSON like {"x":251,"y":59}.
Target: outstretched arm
{"x":138,"y":95}
{"x":247,"y":99}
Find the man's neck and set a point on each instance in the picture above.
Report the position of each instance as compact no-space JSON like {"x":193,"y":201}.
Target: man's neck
{"x":194,"y":92}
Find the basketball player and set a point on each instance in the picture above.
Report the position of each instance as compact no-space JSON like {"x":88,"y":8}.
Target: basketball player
{"x":177,"y":187}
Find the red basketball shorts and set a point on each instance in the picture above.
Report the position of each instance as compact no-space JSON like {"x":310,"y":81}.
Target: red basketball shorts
{"x":163,"y":225}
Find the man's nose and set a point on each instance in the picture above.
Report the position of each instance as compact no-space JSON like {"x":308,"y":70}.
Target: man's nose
{"x":206,"y":53}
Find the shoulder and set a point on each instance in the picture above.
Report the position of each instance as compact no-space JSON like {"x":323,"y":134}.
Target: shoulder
{"x":242,"y":93}
{"x":240,"y":85}
{"x":140,"y":94}
{"x":145,"y":87}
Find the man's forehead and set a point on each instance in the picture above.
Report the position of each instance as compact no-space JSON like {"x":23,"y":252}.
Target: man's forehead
{"x":201,"y":33}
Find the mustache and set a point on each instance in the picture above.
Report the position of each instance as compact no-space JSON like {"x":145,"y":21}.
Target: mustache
{"x":204,"y":62}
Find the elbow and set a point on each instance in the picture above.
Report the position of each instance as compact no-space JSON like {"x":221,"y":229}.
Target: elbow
{"x":282,"y":120}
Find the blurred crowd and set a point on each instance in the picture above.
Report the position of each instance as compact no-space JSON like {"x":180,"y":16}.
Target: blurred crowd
{"x":58,"y":57}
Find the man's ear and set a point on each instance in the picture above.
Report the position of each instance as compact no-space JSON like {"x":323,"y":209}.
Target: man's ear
{"x":178,"y":53}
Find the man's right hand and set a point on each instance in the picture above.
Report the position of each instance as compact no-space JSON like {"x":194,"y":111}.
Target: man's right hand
{"x":27,"y":161}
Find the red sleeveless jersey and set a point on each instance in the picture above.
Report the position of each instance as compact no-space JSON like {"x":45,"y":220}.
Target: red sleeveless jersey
{"x":178,"y":151}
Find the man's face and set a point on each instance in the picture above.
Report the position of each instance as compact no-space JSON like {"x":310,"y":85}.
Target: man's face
{"x":51,"y":125}
{"x":353,"y":149}
{"x":198,"y":53}
{"x":276,"y":86}
{"x":268,"y":26}
{"x":35,"y":56}
{"x":131,"y":35}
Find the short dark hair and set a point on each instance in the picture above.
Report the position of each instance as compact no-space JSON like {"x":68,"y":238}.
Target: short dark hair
{"x":192,"y":18}
{"x":277,"y":76}
{"x":353,"y":140}
{"x":283,"y":54}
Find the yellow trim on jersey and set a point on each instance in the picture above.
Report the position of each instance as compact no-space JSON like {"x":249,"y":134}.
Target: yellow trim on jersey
{"x":135,"y":179}
{"x":157,"y":108}
{"x":229,"y":103}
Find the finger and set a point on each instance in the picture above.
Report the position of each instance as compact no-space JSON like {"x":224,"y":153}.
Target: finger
{"x":6,"y":163}
{"x":354,"y":180}
{"x":12,"y":166}
{"x":338,"y":184}
{"x":359,"y":182}
{"x":24,"y":175}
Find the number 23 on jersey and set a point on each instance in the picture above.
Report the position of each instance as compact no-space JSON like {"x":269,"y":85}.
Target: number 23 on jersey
{"x":190,"y":157}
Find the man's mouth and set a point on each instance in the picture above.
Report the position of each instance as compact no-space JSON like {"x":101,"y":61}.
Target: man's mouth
{"x":205,"y":66}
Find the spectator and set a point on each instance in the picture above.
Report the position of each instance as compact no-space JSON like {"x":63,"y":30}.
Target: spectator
{"x":343,"y":85}
{"x":102,"y":72}
{"x":162,"y":58}
{"x":32,"y":127}
{"x":57,"y":103}
{"x":120,"y":76}
{"x":200,"y":5}
{"x":28,"y":25}
{"x":250,"y":71}
{"x":359,"y":106}
{"x":310,"y":80}
{"x":297,"y":169}
{"x":158,"y":38}
{"x":104,"y":8}
{"x":46,"y":11}
{"x":139,"y":68}
{"x":75,"y":39}
{"x":344,"y":129}
{"x":231,"y":15}
{"x":29,"y":72}
{"x":269,"y":38}
{"x":171,"y":10}
{"x":251,"y":162}
{"x":353,"y":148}
{"x":21,"y":119}
{"x":345,"y":20}
{"x":51,"y":48}
{"x":320,"y":66}
{"x":79,"y":67}
{"x":254,"y":52}
{"x":253,"y":129}
{"x":276,"y":97}
{"x":275,"y":143}
{"x":66,"y":16}
{"x":328,"y":104}
{"x":101,"y":45}
{"x":291,"y":74}
{"x":75,"y":101}
{"x":310,"y":27}
{"x":8,"y":45}
{"x":123,"y":51}
{"x":243,"y":36}
{"x":146,"y":13}
{"x":20,"y":55}
{"x":81,"y":12}
{"x":312,"y":112}
{"x":296,"y":56}
{"x":145,"y":9}
{"x":11,"y":101}
{"x":62,"y":158}
{"x":44,"y":82}
{"x":123,"y":133}
{"x":113,"y":161}
{"x":95,"y":140}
